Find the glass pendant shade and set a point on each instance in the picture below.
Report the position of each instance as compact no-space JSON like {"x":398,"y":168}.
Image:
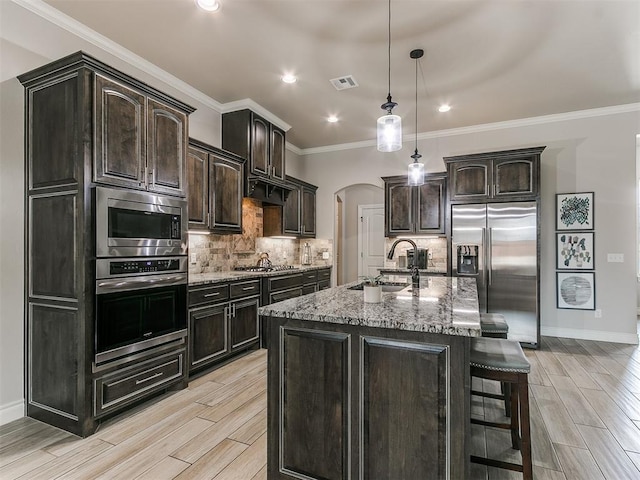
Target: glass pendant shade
{"x":389,"y":133}
{"x":416,"y":174}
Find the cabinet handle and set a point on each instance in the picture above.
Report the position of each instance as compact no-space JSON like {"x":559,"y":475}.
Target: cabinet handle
{"x":159,"y":374}
{"x":248,"y":288}
{"x":211,"y":294}
{"x":226,"y":312}
{"x":233,"y":310}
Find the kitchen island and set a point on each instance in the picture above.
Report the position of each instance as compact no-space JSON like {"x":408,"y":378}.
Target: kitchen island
{"x":371,"y":391}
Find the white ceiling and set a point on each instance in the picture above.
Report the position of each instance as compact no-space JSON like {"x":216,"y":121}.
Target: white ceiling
{"x":491,"y":60}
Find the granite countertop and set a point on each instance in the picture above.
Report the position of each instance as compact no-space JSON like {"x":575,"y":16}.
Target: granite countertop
{"x":446,"y":305}
{"x":407,"y":271}
{"x":230,"y":275}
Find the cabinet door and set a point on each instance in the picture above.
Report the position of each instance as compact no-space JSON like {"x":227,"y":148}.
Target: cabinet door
{"x":119,"y":135}
{"x":198,"y":188}
{"x":208,"y":336}
{"x":277,"y":153}
{"x":166,"y":148}
{"x":308,"y":213}
{"x":515,"y":177}
{"x":244,"y":323}
{"x":225,"y":194}
{"x":259,"y":158}
{"x":430,"y":205}
{"x":292,"y":213}
{"x":399,"y":211}
{"x":470,"y":180}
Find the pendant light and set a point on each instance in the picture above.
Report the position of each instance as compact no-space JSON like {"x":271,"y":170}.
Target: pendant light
{"x":416,"y":169}
{"x":389,"y":126}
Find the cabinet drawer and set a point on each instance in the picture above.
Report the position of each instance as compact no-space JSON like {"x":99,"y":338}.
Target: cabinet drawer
{"x":310,"y":277}
{"x":209,"y":294}
{"x":285,"y":295}
{"x":324,"y":285}
{"x":324,"y":274}
{"x":126,"y":385}
{"x":285,"y":282}
{"x":244,"y":289}
{"x":306,"y":289}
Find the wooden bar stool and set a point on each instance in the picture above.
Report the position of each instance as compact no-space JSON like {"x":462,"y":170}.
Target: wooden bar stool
{"x":493,"y":325}
{"x":504,"y":361}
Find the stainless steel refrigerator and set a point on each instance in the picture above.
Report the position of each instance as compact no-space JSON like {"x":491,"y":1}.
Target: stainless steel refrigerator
{"x":497,"y":243}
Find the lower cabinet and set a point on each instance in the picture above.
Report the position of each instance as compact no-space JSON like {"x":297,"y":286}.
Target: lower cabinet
{"x":223,"y":319}
{"x":122,"y":386}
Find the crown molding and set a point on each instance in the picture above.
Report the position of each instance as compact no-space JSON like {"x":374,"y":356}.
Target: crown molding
{"x":257,"y":108}
{"x":71,"y":25}
{"x":487,"y":127}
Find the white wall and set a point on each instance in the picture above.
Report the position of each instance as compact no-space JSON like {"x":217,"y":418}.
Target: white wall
{"x":587,"y":153}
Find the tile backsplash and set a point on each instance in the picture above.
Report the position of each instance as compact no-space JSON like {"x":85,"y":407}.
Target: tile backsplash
{"x":216,"y":253}
{"x":437,"y":247}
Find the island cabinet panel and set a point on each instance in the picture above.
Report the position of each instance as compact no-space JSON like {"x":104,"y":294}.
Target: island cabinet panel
{"x":355,"y":402}
{"x":314,"y":426}
{"x":404,"y":406}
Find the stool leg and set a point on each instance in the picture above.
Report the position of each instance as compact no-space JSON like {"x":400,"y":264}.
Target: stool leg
{"x":523,"y":394}
{"x":516,"y":443}
{"x":506,"y":391}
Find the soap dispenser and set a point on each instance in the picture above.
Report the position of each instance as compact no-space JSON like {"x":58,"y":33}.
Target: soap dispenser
{"x":306,"y":254}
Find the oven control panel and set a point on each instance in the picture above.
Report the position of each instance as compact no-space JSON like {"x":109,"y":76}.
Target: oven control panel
{"x":143,"y":266}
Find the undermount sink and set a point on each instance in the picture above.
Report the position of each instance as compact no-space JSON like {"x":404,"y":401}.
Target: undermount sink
{"x":386,"y":287}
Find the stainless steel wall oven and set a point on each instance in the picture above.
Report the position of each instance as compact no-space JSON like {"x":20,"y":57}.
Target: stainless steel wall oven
{"x":141,"y":272}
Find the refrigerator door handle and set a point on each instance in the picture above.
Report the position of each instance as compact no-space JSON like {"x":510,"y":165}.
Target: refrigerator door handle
{"x":489,"y":248}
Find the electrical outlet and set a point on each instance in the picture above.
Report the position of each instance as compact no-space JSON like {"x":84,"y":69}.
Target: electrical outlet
{"x":598,"y":313}
{"x":430,"y":255}
{"x":325,"y":255}
{"x":615,"y":257}
{"x":192,"y":258}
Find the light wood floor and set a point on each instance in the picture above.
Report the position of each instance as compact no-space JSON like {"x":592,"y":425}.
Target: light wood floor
{"x":585,"y":416}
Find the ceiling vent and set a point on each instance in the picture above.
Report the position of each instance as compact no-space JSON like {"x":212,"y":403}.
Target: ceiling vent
{"x":342,"y":83}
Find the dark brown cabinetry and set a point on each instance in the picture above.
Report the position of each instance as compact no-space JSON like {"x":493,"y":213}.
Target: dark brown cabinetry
{"x":502,"y":176}
{"x":397,"y":401}
{"x":141,"y":142}
{"x":87,"y":122}
{"x":415,"y":210}
{"x":223,"y":319}
{"x":214,"y":178}
{"x":298,"y":215}
{"x":260,"y":142}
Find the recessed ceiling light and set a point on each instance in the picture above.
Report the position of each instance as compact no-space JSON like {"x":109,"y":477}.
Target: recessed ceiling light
{"x":208,"y":5}
{"x":332,"y":119}
{"x":444,"y":108}
{"x":289,"y":78}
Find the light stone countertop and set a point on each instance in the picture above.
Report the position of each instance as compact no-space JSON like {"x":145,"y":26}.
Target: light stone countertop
{"x":196,"y":279}
{"x":445,"y":305}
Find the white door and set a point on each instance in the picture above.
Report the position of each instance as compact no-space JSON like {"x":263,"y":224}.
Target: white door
{"x":370,"y":239}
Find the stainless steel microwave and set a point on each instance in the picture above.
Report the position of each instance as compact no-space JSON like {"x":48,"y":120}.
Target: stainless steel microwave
{"x":139,"y":224}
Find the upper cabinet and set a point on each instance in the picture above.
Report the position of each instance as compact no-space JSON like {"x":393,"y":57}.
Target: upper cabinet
{"x":511,"y":174}
{"x":414,"y":210}
{"x":298,"y":215}
{"x":260,"y":142}
{"x":140,"y":141}
{"x":215,"y":179}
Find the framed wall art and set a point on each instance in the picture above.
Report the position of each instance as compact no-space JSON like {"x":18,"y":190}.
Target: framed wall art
{"x":576,"y":290}
{"x":574,"y":250}
{"x":574,"y":211}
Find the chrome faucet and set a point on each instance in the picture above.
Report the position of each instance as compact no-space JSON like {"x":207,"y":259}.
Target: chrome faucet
{"x":415,"y":273}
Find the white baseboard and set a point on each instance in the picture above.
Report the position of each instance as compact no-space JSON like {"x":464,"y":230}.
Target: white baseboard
{"x":11,"y":411}
{"x":630,"y":338}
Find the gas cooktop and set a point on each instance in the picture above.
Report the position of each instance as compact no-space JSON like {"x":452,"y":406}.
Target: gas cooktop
{"x":272,"y":268}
